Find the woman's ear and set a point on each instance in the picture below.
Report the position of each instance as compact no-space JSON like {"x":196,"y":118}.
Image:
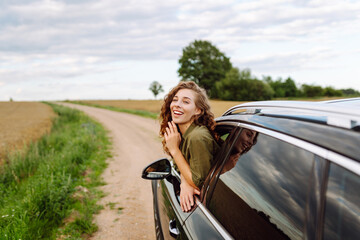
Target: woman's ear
{"x":197,"y":111}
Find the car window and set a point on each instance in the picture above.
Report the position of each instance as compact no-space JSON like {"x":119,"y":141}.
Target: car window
{"x":262,"y":188}
{"x":342,"y":211}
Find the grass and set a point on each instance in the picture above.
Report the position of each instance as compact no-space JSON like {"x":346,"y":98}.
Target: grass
{"x":143,"y":113}
{"x":49,"y":191}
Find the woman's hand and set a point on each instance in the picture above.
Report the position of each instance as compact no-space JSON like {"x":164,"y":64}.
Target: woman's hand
{"x":187,"y":193}
{"x":172,"y":138}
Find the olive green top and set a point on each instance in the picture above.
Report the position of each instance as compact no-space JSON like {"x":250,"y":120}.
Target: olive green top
{"x":198,"y":148}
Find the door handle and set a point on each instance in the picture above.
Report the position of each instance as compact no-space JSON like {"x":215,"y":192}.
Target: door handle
{"x":174,"y":231}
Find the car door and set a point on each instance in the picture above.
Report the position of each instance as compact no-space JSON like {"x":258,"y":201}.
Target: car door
{"x":168,"y":205}
{"x":196,"y":224}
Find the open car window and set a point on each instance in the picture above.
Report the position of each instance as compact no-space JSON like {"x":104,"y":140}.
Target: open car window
{"x":226,"y":133}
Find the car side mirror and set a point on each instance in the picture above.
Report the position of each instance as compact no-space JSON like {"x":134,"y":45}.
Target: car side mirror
{"x":159,"y":169}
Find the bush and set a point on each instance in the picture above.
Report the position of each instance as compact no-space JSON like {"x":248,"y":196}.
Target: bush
{"x":312,"y":91}
{"x":241,"y":86}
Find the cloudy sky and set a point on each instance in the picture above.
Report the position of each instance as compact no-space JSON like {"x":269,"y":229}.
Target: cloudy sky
{"x":114,"y":49}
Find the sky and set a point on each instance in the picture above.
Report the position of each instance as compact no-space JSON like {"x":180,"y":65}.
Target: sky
{"x":114,"y":49}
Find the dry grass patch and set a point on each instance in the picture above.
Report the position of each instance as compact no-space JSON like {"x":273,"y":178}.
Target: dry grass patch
{"x":22,"y":122}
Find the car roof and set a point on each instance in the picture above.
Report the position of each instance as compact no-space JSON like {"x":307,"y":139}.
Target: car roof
{"x":343,"y":113}
{"x":347,"y":102}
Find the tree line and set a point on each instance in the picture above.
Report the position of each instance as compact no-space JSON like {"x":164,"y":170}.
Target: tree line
{"x":206,"y":65}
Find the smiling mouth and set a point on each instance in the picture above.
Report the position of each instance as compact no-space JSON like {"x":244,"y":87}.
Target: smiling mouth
{"x":177,"y":113}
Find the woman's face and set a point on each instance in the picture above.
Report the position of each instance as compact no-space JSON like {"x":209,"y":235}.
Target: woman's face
{"x":245,"y":140}
{"x":183,"y":107}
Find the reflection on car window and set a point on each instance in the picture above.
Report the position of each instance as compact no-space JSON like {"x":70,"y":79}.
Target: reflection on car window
{"x":262,"y":189}
{"x":342,"y":211}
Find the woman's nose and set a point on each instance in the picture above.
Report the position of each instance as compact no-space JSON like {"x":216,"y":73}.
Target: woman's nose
{"x":177,"y":104}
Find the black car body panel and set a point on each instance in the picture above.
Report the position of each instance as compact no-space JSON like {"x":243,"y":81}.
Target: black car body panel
{"x":169,"y":207}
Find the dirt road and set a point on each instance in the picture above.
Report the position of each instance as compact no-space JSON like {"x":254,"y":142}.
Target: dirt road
{"x":128,"y":212}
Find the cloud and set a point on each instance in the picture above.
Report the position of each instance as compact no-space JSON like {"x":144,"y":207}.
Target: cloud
{"x":21,"y":69}
{"x":48,"y":39}
{"x":288,"y":61}
{"x":138,"y":30}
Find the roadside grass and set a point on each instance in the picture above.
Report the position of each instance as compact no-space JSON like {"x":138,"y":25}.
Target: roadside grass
{"x":49,"y":190}
{"x":142,"y":113}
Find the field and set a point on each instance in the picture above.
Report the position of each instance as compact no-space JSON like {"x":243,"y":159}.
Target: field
{"x":22,"y":122}
{"x":154,"y":106}
{"x":48,"y":191}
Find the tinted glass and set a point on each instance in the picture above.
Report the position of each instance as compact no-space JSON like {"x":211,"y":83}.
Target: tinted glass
{"x":342,"y":212}
{"x":262,"y":189}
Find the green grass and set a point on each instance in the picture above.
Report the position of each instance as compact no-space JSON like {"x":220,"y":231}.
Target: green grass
{"x":54,"y":179}
{"x":142,"y":113}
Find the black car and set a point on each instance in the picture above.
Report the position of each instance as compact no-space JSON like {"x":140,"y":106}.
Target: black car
{"x":285,"y":170}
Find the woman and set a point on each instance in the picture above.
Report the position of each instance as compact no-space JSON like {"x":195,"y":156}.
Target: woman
{"x":187,"y":126}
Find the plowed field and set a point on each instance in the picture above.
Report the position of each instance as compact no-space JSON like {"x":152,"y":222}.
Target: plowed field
{"x":22,"y":122}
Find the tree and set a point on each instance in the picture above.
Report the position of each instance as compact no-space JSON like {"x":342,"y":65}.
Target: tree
{"x":282,"y":88}
{"x":312,"y":90}
{"x":156,"y":88}
{"x":332,"y":92}
{"x":290,"y":88}
{"x":204,"y":64}
{"x":350,"y":92}
{"x":276,"y":85}
{"x":241,"y":86}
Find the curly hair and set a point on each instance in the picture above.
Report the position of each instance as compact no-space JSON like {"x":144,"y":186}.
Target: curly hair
{"x":205,"y":118}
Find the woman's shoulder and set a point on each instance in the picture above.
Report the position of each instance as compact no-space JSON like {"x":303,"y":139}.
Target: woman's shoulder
{"x":200,"y":132}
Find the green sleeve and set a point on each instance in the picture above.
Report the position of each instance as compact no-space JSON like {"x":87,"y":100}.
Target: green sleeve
{"x":200,"y":151}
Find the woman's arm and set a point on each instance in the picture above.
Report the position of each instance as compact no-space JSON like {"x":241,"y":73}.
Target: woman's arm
{"x":173,"y":138}
{"x":187,"y":195}
{"x":188,"y":188}
{"x":184,"y":168}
